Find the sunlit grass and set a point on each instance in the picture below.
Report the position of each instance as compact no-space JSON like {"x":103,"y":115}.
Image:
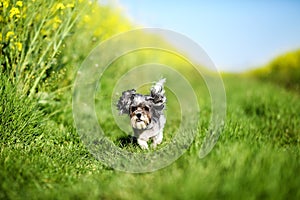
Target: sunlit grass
{"x":257,"y":155}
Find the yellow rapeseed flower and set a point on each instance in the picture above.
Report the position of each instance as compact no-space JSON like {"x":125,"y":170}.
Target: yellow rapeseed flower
{"x":86,"y":18}
{"x":60,"y":6}
{"x":5,"y":3}
{"x":19,"y":46}
{"x":70,"y":5}
{"x":9,"y":34}
{"x":0,"y":37}
{"x":57,"y":20}
{"x":19,"y":3}
{"x":14,"y":12}
{"x":45,"y":32}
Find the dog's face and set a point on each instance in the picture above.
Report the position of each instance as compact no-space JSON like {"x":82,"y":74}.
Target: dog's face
{"x":143,"y":109}
{"x":140,"y":112}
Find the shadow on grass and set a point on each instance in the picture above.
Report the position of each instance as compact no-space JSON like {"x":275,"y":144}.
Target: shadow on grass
{"x":127,"y":141}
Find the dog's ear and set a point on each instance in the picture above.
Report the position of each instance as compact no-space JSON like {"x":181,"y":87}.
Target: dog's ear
{"x":125,"y":101}
{"x":158,"y":92}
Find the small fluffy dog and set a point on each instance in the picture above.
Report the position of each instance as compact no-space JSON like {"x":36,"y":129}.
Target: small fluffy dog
{"x":146,"y":113}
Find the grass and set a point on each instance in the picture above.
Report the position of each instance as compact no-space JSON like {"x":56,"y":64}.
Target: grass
{"x":256,"y":157}
{"x":42,"y":156}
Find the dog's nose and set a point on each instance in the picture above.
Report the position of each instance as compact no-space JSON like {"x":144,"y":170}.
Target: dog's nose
{"x":138,"y":115}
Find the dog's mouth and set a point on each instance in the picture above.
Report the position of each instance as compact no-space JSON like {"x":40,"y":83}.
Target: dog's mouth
{"x":140,"y":122}
{"x":145,"y":120}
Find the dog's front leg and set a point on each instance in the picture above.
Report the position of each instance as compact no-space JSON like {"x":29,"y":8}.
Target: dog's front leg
{"x":143,"y":144}
{"x":157,"y":139}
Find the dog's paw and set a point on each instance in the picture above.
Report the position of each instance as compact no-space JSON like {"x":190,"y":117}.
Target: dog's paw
{"x":154,"y":145}
{"x":157,"y":140}
{"x":143,"y":144}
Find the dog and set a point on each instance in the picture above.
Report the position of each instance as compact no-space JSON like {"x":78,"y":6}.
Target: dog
{"x":146,"y":113}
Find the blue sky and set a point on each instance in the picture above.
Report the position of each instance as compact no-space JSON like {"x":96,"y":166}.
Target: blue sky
{"x":237,"y":35}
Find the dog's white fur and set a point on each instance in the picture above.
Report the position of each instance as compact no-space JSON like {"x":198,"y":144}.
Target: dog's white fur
{"x":146,"y":113}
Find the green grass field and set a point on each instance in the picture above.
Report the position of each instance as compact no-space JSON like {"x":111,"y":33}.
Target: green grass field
{"x":256,"y":157}
{"x":42,"y":156}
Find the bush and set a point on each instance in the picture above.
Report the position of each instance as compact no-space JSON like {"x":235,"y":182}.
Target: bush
{"x":283,"y":70}
{"x":32,"y":36}
{"x":43,"y":43}
{"x":33,"y":45}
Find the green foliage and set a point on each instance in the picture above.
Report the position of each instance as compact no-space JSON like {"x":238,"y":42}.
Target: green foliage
{"x":37,"y":39}
{"x":43,"y":43}
{"x":283,"y":70}
{"x":32,"y":35}
{"x":95,"y":25}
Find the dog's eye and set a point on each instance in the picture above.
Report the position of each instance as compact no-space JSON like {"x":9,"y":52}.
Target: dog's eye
{"x":146,"y":108}
{"x":133,"y":108}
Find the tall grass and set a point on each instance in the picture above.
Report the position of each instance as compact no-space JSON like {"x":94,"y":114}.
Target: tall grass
{"x":33,"y":34}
